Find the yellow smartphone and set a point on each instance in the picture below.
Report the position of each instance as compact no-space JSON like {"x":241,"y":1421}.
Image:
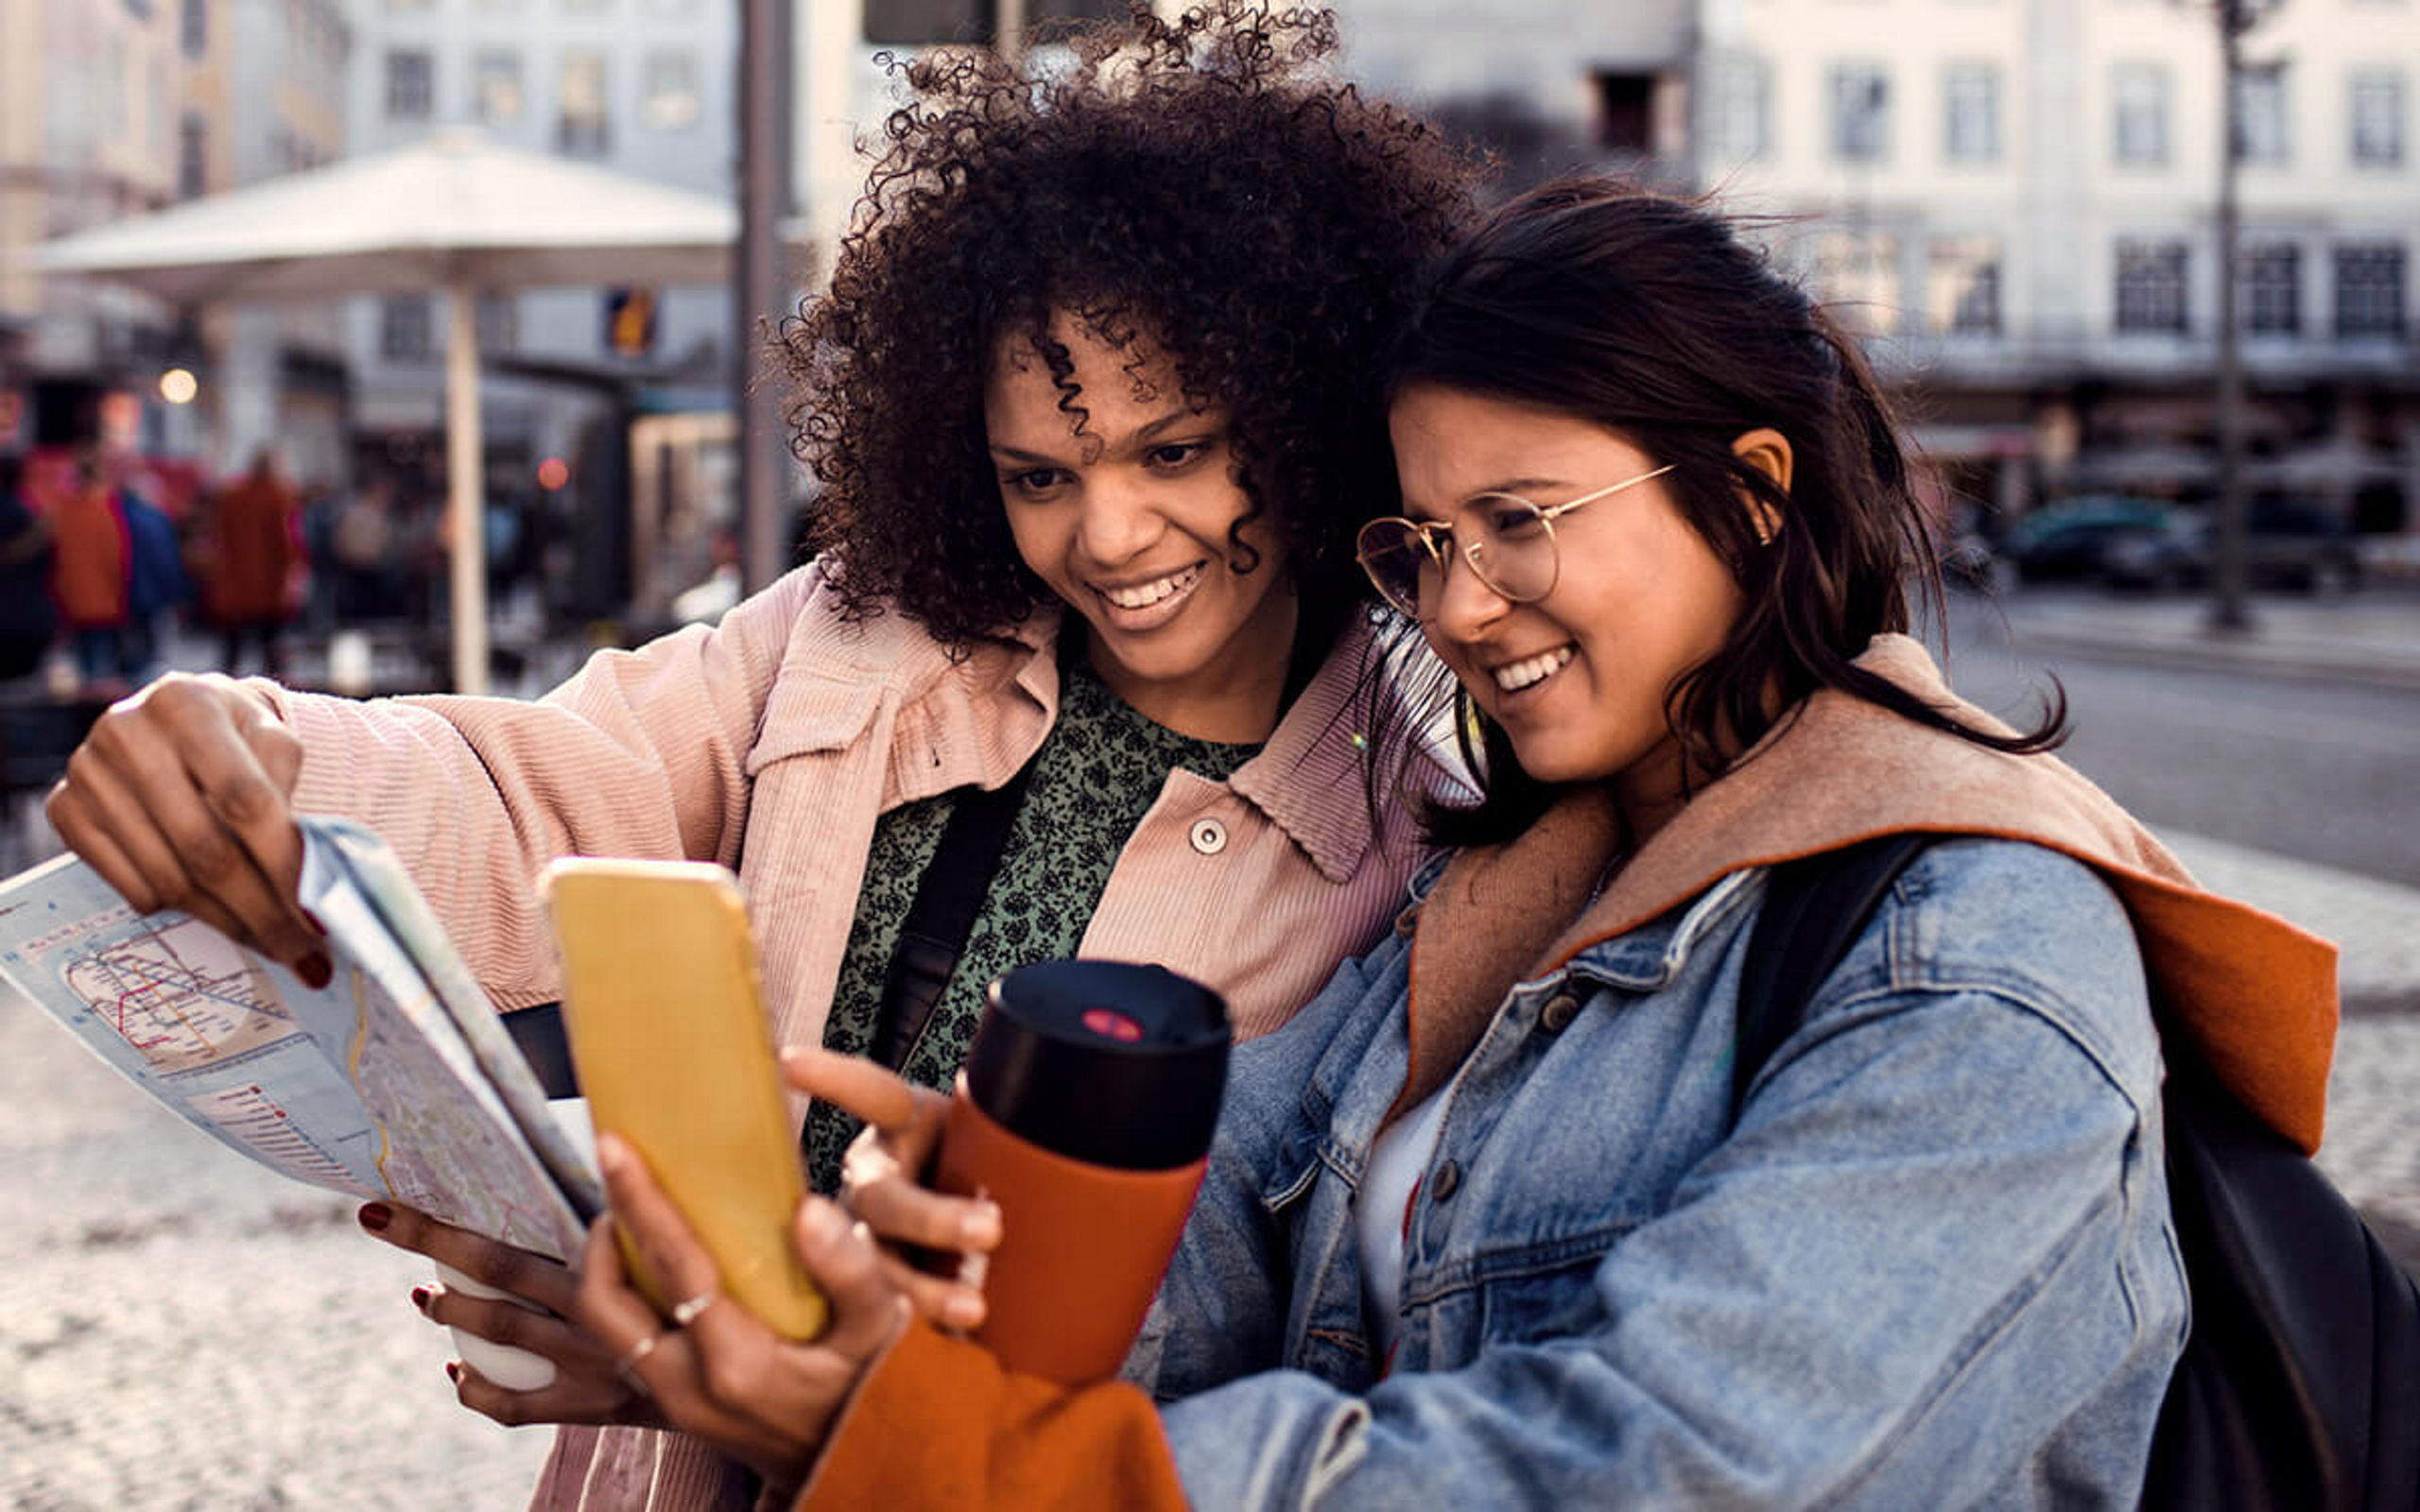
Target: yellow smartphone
{"x":668,"y":1033}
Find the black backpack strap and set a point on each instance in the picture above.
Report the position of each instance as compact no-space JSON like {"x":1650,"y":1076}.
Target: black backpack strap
{"x":948,"y":899}
{"x":1814,"y":909}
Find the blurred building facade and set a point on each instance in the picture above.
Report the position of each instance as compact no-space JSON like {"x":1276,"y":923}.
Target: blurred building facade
{"x":116,"y":108}
{"x":2016,"y":200}
{"x":264,"y":96}
{"x":88,"y":134}
{"x":643,"y":87}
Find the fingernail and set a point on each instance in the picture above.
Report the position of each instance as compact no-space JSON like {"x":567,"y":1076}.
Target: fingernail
{"x":453,"y":1372}
{"x":315,"y":970}
{"x":313,"y":919}
{"x":981,"y":1228}
{"x":376,"y":1216}
{"x":612,"y":1154}
{"x":419,"y":1298}
{"x":963,"y":1311}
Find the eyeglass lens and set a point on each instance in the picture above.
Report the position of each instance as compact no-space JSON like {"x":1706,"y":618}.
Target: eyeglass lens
{"x":1507,"y":540}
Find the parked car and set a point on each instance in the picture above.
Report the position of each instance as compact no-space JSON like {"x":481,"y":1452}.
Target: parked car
{"x":2065,"y":540}
{"x":2289,"y":544}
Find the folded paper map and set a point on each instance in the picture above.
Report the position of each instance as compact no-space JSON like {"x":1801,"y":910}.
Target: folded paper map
{"x":396,"y":1080}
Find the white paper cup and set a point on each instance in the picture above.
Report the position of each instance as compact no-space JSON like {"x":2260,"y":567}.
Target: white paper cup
{"x":512,"y":1369}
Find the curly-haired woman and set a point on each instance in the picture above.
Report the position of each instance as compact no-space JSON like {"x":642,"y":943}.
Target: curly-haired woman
{"x":1089,"y":399}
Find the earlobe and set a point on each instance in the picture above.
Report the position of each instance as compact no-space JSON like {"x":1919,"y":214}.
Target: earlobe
{"x":1768,"y":450}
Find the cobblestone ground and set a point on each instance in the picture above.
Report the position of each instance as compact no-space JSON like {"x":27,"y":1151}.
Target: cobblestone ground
{"x":182,"y":1329}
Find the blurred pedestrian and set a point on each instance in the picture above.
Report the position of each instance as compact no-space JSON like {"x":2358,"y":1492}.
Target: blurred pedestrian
{"x":92,"y":571}
{"x":253,"y":529}
{"x":27,"y":621}
{"x":157,"y":584}
{"x":361,"y":555}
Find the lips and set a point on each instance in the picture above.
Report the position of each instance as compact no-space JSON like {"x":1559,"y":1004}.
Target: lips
{"x":1515,"y":677}
{"x":1144,"y":595}
{"x":1146,"y":604}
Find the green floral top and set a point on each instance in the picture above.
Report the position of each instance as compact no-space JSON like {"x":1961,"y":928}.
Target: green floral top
{"x":1098,"y":772}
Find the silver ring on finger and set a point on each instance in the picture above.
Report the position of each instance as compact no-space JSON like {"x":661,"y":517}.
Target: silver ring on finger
{"x":686,"y":1312}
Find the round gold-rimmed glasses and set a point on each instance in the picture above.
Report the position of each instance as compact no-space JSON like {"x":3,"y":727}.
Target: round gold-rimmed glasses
{"x":1508,"y":541}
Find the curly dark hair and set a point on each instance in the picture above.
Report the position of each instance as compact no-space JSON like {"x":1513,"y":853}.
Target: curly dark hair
{"x":1197,"y":184}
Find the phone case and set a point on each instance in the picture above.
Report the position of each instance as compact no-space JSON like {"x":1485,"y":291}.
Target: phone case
{"x":668,"y":1033}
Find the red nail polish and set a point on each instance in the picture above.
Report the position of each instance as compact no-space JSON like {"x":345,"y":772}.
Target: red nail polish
{"x":453,"y":1372}
{"x":313,"y":919}
{"x":419,"y":1298}
{"x":315,"y":970}
{"x":376,"y":1216}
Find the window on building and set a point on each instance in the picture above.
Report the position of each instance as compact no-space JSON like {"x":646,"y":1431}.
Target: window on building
{"x":2273,"y":281}
{"x":1970,"y":94}
{"x":2369,"y":289}
{"x":411,"y":84}
{"x":1861,"y":113}
{"x":2378,"y":119}
{"x":496,"y":92}
{"x":193,"y":156}
{"x":1963,"y":286}
{"x":2151,"y":286}
{"x":1625,"y":111}
{"x":919,"y":22}
{"x":498,"y":318}
{"x":1736,"y":120}
{"x":2140,"y":94}
{"x":403,"y":328}
{"x":583,"y":121}
{"x":1857,"y":273}
{"x":193,"y":32}
{"x":668,"y":102}
{"x":2260,"y":115}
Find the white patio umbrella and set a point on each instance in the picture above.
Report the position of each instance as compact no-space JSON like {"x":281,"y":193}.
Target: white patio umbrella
{"x":454,"y":211}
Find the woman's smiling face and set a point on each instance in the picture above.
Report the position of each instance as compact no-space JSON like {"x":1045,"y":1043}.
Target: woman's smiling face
{"x":1579,"y":679}
{"x":1132,"y":519}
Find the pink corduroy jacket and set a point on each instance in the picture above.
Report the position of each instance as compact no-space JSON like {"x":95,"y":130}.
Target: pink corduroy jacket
{"x":772,"y":744}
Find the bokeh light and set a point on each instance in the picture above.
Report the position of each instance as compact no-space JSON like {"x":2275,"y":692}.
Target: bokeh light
{"x":178,"y":386}
{"x":553,"y":474}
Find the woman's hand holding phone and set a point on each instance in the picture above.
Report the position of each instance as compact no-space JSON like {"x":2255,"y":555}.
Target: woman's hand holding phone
{"x":719,"y":1372}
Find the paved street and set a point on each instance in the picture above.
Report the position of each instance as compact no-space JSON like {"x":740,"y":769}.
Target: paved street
{"x":182,"y":1330}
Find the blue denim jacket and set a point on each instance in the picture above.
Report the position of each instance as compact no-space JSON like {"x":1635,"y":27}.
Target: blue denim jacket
{"x":1931,"y":1266}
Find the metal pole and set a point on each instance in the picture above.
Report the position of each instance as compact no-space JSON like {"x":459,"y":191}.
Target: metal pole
{"x":465,"y":489}
{"x":2230,"y":612}
{"x":764,"y":287}
{"x":1008,"y":22}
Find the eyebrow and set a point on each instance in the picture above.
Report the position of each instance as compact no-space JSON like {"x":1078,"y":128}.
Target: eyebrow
{"x":1520,"y":486}
{"x":1141,"y":436}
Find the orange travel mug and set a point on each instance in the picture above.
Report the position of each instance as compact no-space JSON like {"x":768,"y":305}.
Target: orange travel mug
{"x":1089,"y":1102}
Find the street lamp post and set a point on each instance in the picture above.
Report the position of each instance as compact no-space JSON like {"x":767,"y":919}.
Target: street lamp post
{"x":2230,"y":608}
{"x":763,"y":291}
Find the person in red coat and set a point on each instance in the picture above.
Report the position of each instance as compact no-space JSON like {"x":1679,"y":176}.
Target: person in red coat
{"x":253,"y":556}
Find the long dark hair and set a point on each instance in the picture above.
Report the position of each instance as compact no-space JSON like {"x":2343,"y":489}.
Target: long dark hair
{"x":1649,"y":316}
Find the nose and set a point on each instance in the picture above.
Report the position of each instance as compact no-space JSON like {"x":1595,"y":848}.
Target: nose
{"x":1466,"y":608}
{"x":1120,"y":519}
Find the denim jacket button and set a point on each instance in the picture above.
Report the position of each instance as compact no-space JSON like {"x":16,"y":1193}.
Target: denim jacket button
{"x":1560,"y":1011}
{"x":1442,"y":1184}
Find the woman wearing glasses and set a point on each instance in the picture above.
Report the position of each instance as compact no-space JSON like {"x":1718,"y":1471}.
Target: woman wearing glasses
{"x":1089,"y":396}
{"x":1488,"y":1224}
